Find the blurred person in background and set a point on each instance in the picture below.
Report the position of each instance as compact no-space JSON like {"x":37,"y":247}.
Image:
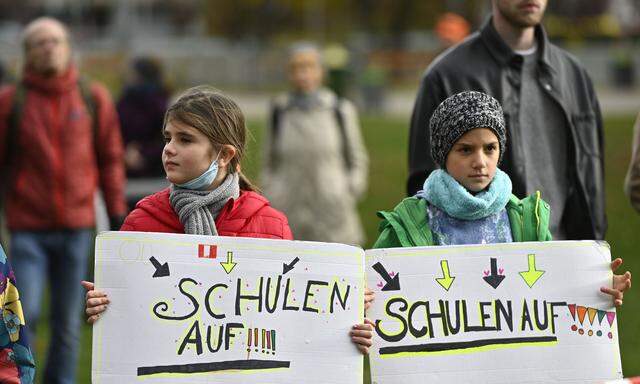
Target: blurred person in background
{"x":632,"y":181}
{"x":548,"y":99}
{"x":141,"y":110}
{"x":6,"y":77}
{"x":315,"y":165}
{"x":59,"y":141}
{"x":373,"y":81}
{"x":3,"y":73}
{"x":335,"y":60}
{"x":451,"y":29}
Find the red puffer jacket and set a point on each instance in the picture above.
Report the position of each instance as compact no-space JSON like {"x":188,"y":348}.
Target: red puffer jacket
{"x":248,"y":216}
{"x":58,"y":169}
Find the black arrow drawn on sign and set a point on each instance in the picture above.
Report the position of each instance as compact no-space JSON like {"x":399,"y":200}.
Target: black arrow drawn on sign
{"x":393,"y":283}
{"x":287,"y":267}
{"x":494,"y":279}
{"x":161,"y":269}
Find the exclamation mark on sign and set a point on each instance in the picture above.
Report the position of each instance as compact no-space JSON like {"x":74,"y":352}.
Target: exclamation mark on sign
{"x":268,"y":341}
{"x":572,"y":310}
{"x":255,"y":339}
{"x":273,"y":341}
{"x":264,"y":336}
{"x":248,"y":342}
{"x":591,"y":313}
{"x":582,"y":311}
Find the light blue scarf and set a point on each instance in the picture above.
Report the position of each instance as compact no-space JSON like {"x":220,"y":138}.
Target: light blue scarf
{"x":443,"y":191}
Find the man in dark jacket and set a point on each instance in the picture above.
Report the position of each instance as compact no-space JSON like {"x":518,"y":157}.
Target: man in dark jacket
{"x":551,"y":110}
{"x":59,"y":141}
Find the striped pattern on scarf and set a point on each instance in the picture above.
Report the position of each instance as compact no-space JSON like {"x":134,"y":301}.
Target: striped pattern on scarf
{"x":198,"y":210}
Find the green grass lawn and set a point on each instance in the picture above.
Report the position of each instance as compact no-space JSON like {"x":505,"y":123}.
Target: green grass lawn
{"x":386,"y":139}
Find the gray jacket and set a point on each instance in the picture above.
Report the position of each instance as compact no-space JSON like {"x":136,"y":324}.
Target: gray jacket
{"x":305,"y":173}
{"x":484,"y":62}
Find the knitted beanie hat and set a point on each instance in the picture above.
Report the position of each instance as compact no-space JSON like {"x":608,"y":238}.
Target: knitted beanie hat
{"x":459,"y":114}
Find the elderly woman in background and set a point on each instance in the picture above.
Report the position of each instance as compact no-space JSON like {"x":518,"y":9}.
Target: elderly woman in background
{"x":315,"y":164}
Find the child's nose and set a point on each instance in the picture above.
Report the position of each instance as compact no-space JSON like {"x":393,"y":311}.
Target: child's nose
{"x":479,"y":161}
{"x":169,"y":148}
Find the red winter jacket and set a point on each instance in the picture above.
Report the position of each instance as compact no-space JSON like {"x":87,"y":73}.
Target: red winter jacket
{"x":248,"y":216}
{"x":54,"y":182}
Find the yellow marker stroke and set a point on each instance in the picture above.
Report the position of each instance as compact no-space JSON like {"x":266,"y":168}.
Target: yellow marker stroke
{"x":229,"y":264}
{"x":532,"y":275}
{"x":446,"y":280}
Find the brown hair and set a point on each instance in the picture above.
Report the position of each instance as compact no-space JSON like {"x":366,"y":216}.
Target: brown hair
{"x":217,"y":117}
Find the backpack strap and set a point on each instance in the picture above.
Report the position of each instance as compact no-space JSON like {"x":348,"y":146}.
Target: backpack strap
{"x":342,"y":128}
{"x":84,"y":86}
{"x":276,"y":117}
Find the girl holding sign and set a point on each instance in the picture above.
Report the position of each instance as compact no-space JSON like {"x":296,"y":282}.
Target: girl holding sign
{"x":205,"y":137}
{"x":469,"y":200}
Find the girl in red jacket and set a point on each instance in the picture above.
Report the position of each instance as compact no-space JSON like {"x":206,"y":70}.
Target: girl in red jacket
{"x":205,"y":134}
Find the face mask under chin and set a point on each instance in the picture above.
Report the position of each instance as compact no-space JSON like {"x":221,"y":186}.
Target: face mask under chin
{"x":203,"y":181}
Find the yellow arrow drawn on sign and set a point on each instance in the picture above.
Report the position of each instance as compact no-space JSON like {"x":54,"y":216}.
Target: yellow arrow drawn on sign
{"x":229,"y":264}
{"x":446,"y":280}
{"x":532,"y":275}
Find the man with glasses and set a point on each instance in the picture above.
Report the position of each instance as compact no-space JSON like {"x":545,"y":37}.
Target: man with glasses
{"x":59,"y":141}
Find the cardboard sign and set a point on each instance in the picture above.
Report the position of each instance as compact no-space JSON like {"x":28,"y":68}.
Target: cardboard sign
{"x":199,"y":309}
{"x":503,"y":313}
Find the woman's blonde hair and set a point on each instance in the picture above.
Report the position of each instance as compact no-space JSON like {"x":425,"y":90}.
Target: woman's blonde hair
{"x":217,"y":117}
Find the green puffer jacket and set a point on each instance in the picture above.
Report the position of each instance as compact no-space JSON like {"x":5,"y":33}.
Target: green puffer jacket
{"x":408,"y":225}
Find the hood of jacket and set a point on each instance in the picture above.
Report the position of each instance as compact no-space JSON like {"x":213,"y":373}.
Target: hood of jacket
{"x":65,"y":82}
{"x":408,"y":226}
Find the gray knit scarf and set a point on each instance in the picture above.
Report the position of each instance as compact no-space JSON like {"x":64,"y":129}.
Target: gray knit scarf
{"x":198,"y":210}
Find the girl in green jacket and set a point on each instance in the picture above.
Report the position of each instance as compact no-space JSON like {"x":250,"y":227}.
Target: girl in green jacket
{"x":469,"y":200}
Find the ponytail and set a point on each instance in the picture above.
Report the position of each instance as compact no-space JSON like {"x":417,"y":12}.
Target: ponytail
{"x":246,"y":184}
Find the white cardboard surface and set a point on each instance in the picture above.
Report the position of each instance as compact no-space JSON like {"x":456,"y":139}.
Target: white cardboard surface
{"x":577,"y":341}
{"x":151,"y":332}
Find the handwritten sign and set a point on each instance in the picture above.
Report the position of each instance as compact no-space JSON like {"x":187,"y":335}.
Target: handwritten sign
{"x":199,"y":309}
{"x":520,"y":312}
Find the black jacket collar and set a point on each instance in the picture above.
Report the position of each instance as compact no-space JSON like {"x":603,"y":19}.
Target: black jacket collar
{"x":504,"y":54}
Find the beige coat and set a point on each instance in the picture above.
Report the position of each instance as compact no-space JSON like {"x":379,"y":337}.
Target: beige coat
{"x":305,"y":174}
{"x":632,"y":181}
